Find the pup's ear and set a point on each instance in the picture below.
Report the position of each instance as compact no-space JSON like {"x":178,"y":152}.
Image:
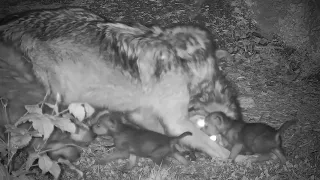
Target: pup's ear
{"x":219,"y":119}
{"x":111,"y":123}
{"x":214,"y":118}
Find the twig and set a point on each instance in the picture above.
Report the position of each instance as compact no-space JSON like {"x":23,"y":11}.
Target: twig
{"x":62,"y":112}
{"x":10,"y":158}
{"x":45,"y":98}
{"x":297,"y":176}
{"x":3,"y":141}
{"x":5,"y":104}
{"x":34,"y":165}
{"x":58,"y":99}
{"x":24,"y":166}
{"x":261,"y":116}
{"x":45,"y":142}
{"x":302,"y":145}
{"x":5,"y":113}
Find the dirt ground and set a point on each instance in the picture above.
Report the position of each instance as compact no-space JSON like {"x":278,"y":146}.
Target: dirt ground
{"x":268,"y":93}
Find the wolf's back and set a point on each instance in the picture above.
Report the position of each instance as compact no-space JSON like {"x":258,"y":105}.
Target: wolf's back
{"x":49,"y":23}
{"x":81,"y":56}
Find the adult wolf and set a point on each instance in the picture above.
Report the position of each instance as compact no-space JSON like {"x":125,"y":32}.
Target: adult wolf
{"x":153,"y":71}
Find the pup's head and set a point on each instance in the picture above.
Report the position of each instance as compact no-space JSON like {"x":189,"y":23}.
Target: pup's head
{"x":215,"y":123}
{"x":83,"y":135}
{"x":107,"y":124}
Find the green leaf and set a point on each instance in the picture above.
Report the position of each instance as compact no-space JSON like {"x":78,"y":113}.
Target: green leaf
{"x":33,"y":109}
{"x":43,"y":125}
{"x":45,"y":163}
{"x":35,"y":134}
{"x":22,"y":177}
{"x":19,"y":141}
{"x":3,"y":152}
{"x":89,"y":110}
{"x":3,"y":172}
{"x":27,"y":117}
{"x":40,"y":122}
{"x":17,"y":130}
{"x":31,"y":158}
{"x":19,"y":172}
{"x":78,"y":110}
{"x":81,"y":110}
{"x":67,"y":115}
{"x":9,"y":126}
{"x":3,"y":148}
{"x":64,"y":124}
{"x":55,"y":170}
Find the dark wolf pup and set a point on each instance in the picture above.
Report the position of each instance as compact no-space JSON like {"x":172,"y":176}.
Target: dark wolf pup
{"x":132,"y":142}
{"x":247,"y":138}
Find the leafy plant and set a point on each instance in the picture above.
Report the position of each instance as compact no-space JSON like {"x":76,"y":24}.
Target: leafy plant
{"x":42,"y":126}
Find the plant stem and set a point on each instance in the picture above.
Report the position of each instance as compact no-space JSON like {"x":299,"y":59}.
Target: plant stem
{"x":42,"y":152}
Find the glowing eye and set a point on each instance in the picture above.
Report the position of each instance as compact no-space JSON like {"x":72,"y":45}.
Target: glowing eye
{"x":213,"y":137}
{"x":201,"y":122}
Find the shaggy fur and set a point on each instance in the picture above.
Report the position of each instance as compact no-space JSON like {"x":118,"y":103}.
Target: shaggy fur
{"x":151,"y":71}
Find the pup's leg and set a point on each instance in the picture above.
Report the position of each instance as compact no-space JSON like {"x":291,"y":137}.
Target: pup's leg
{"x":133,"y":159}
{"x":123,"y":154}
{"x":159,"y":154}
{"x":71,"y":166}
{"x":180,"y":158}
{"x":236,"y":149}
{"x":280,"y":155}
{"x":189,"y":154}
{"x":160,"y":161}
{"x":265,"y":157}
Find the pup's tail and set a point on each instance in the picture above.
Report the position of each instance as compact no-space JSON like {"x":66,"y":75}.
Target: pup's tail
{"x":283,"y":127}
{"x":286,"y":125}
{"x":177,"y":138}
